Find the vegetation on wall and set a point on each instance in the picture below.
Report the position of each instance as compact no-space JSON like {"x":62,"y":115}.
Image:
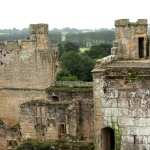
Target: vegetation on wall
{"x":2,"y":124}
{"x":133,"y":76}
{"x":118,"y":134}
{"x":54,"y":145}
{"x":68,"y":89}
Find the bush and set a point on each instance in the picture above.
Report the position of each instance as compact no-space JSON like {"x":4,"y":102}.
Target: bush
{"x":64,"y":75}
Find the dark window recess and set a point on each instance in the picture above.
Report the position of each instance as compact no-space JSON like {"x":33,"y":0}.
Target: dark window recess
{"x":12,"y":143}
{"x":134,"y":138}
{"x":55,"y":98}
{"x":147,"y":48}
{"x":141,"y":47}
{"x":108,"y":139}
{"x":62,"y":130}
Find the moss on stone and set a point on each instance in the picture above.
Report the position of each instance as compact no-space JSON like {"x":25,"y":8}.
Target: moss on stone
{"x":2,"y":124}
{"x":68,"y":89}
{"x":133,"y":76}
{"x":118,"y":135}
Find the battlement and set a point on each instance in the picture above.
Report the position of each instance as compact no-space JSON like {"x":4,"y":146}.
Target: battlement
{"x":126,"y":22}
{"x":39,"y":28}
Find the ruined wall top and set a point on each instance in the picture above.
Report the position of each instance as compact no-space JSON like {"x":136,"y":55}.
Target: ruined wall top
{"x":126,"y":22}
{"x":39,"y":33}
{"x":39,"y":28}
{"x":29,"y":63}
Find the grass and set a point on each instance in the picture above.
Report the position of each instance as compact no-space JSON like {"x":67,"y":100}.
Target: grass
{"x":82,"y":50}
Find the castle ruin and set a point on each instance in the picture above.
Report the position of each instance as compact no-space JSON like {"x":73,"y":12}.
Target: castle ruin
{"x":34,"y":106}
{"x":31,"y":107}
{"x":122,"y":90}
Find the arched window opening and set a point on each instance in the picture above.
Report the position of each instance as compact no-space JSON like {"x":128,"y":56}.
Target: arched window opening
{"x":55,"y":97}
{"x":107,"y":139}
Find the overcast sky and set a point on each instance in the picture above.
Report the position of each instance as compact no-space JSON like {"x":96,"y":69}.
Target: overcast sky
{"x":70,"y":13}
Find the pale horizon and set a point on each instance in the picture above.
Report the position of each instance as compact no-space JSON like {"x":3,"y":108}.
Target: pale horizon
{"x":80,"y":14}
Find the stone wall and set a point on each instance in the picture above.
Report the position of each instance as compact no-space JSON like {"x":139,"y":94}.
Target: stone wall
{"x":11,"y":99}
{"x":72,"y":111}
{"x":58,"y":113}
{"x":27,"y":68}
{"x":73,"y":84}
{"x":122,"y":103}
{"x":30,"y":63}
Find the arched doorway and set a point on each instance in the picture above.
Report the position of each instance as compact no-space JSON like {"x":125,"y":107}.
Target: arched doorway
{"x":107,"y":139}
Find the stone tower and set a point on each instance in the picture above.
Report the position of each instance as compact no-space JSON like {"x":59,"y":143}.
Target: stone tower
{"x":39,"y":33}
{"x":121,"y":85}
{"x":132,"y":38}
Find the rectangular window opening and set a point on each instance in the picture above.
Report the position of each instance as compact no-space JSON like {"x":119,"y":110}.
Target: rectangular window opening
{"x":147,"y":48}
{"x":62,"y":130}
{"x":141,"y":47}
{"x":134,"y":137}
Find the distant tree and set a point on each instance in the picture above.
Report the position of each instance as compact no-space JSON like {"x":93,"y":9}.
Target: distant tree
{"x":98,"y":36}
{"x":99,"y":51}
{"x":55,"y":36}
{"x":79,"y":65}
{"x":86,"y":67}
{"x":68,"y":46}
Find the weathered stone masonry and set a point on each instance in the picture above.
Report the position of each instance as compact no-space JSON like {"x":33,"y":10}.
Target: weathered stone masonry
{"x":67,"y":114}
{"x":32,"y":105}
{"x":27,"y":68}
{"x":122,"y":91}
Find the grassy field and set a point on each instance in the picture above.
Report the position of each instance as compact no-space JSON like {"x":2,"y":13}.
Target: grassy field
{"x":83,"y":49}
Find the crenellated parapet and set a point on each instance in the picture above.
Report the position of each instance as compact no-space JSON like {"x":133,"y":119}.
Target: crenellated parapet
{"x":126,"y":22}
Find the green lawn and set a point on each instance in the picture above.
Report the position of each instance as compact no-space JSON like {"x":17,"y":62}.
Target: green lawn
{"x":84,"y":49}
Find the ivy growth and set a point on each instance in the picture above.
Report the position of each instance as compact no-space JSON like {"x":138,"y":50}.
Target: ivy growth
{"x":118,"y":134}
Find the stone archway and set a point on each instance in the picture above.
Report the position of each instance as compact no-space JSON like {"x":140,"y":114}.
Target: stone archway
{"x":107,"y":139}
